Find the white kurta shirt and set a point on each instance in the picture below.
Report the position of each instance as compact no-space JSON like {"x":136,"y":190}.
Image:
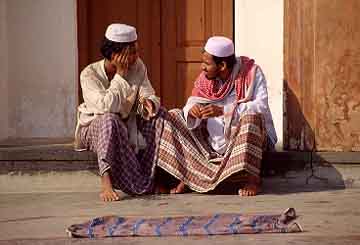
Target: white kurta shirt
{"x":215,"y":125}
{"x":116,"y":96}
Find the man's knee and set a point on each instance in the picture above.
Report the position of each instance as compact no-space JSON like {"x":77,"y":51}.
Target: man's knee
{"x":255,"y":118}
{"x":113,"y":121}
{"x":161,"y":113}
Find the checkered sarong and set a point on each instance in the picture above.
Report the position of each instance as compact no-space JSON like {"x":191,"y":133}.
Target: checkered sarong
{"x":187,"y":155}
{"x":107,"y":136}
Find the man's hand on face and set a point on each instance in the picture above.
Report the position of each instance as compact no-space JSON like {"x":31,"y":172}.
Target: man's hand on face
{"x":121,"y":61}
{"x":211,"y":111}
{"x":149,"y":108}
{"x":195,"y":111}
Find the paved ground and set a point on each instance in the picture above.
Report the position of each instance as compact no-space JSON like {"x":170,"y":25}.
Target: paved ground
{"x":36,"y":208}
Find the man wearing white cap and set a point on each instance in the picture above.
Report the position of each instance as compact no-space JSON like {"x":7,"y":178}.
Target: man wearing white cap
{"x":119,"y":115}
{"x":223,"y":128}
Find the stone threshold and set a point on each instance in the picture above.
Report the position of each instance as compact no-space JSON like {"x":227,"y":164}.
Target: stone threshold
{"x":60,"y":156}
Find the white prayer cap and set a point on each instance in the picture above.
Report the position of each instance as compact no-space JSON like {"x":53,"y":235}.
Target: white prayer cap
{"x":219,"y":46}
{"x":121,"y":33}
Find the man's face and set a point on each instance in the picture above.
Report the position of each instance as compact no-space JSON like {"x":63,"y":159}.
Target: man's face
{"x":133,"y":54}
{"x":209,"y":66}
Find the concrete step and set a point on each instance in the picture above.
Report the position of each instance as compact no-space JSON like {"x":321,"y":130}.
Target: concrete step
{"x":43,"y":154}
{"x":45,"y":166}
{"x":320,"y":177}
{"x":45,"y":157}
{"x":45,"y":188}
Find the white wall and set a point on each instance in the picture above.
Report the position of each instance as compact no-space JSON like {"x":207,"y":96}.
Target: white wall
{"x":3,"y":72}
{"x":38,"y":77}
{"x":41,"y":67}
{"x":259,"y":34}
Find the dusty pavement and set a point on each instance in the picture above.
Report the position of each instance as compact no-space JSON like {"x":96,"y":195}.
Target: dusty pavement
{"x":36,"y":209}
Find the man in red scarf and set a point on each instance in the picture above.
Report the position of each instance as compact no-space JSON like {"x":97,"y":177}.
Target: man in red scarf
{"x":223,"y":128}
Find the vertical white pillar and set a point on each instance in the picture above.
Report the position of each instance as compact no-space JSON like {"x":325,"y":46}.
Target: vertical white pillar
{"x":4,"y":113}
{"x":259,"y":32}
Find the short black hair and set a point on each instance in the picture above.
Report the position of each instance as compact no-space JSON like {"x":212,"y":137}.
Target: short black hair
{"x":108,"y":47}
{"x":229,"y":60}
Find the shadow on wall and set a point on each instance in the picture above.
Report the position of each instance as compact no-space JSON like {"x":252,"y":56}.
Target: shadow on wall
{"x":317,"y":177}
{"x":300,"y":168}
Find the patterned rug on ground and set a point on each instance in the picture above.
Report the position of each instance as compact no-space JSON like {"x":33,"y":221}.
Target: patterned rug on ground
{"x":217,"y":224}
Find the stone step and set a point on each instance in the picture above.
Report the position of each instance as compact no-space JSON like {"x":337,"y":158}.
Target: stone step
{"x":319,"y":178}
{"x":50,"y":157}
{"x":44,"y":166}
{"x":59,"y":156}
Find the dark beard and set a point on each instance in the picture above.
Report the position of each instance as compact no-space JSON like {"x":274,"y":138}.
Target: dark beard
{"x":213,"y":78}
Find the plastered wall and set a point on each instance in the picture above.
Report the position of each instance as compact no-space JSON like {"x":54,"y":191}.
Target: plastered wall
{"x":41,"y":64}
{"x":38,"y":76}
{"x":3,"y":71}
{"x":259,"y":34}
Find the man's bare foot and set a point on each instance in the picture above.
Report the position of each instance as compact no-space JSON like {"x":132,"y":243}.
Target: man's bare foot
{"x":108,"y":194}
{"x":179,"y":189}
{"x":252,"y":188}
{"x":160,"y":189}
{"x":249,"y":190}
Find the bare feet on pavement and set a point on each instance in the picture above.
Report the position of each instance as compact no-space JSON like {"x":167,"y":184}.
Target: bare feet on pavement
{"x":179,"y":189}
{"x":108,"y":194}
{"x":252,"y":188}
{"x":249,"y":190}
{"x":160,"y":189}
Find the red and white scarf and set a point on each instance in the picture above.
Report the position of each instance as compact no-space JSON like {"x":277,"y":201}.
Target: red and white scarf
{"x":217,"y":90}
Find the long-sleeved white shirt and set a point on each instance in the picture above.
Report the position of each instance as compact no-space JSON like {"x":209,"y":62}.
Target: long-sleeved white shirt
{"x":216,"y":125}
{"x":116,"y":96}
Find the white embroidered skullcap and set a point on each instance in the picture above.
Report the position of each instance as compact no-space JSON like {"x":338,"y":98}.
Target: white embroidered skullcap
{"x":219,"y":46}
{"x":121,"y":33}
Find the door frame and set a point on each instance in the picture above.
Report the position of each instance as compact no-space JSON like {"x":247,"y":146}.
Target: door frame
{"x":82,"y":11}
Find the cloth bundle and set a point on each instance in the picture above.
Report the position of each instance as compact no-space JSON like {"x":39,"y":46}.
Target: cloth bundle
{"x":217,"y":224}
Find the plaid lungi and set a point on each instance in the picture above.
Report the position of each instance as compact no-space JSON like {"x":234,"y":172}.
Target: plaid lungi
{"x":187,"y":155}
{"x":107,"y":136}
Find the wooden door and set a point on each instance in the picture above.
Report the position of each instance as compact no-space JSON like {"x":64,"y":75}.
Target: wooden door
{"x":171,"y":36}
{"x":185,"y":27}
{"x":94,"y":16}
{"x":322,"y":73}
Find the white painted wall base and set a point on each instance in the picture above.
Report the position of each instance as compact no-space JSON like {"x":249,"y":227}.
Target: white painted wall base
{"x":259,"y":34}
{"x":41,"y":68}
{"x":4,"y":116}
